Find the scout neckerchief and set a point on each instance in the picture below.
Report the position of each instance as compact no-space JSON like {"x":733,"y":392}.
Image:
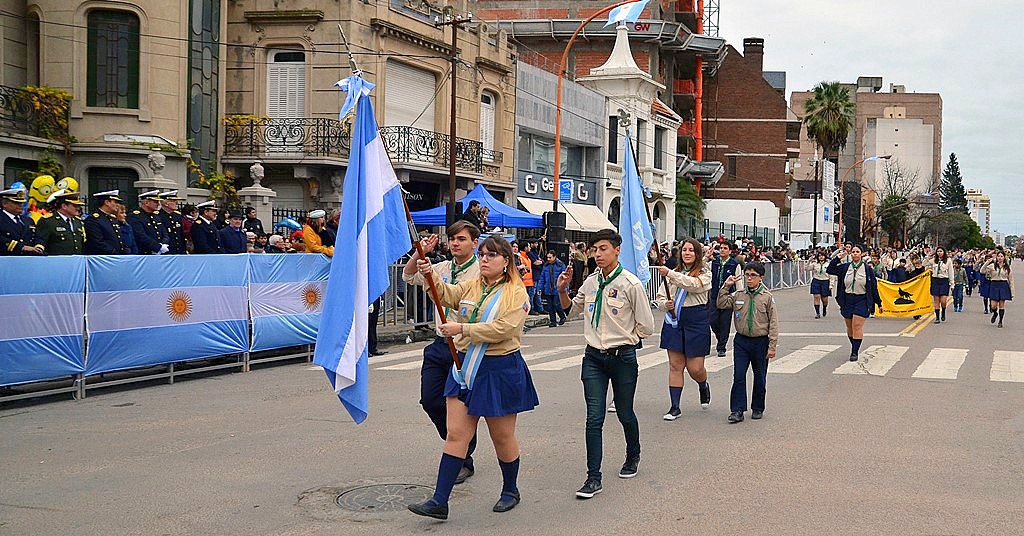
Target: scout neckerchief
{"x":456,"y":270}
{"x":680,"y":297}
{"x":475,"y":351}
{"x":602,"y":282}
{"x":853,"y":282}
{"x":750,"y":307}
{"x":721,"y":272}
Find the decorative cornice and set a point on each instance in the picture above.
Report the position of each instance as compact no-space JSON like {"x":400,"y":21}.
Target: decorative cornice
{"x":393,"y":30}
{"x":308,"y":16}
{"x":493,"y":65}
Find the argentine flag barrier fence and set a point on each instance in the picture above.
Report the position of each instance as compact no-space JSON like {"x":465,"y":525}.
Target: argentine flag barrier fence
{"x":65,"y":316}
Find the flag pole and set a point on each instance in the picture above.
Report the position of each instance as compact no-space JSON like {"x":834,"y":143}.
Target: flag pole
{"x":412,"y":227}
{"x":430,"y":282}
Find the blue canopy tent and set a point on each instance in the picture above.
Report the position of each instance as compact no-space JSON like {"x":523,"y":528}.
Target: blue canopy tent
{"x":501,"y":215}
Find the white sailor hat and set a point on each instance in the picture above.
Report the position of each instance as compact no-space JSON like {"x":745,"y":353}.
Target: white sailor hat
{"x":318,"y":213}
{"x":211,"y":204}
{"x":171,"y":195}
{"x":16,"y":195}
{"x":109,"y":194}
{"x":64,"y":195}
{"x":152,"y":194}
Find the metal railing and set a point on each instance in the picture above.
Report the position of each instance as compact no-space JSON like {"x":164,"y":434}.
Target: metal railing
{"x":409,"y":144}
{"x":310,"y":136}
{"x":19,"y":114}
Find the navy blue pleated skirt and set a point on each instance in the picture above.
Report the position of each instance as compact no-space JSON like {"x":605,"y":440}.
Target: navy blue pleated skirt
{"x":940,"y":286}
{"x":503,"y":386}
{"x":692,"y":337}
{"x":999,"y":291}
{"x":821,"y":287}
{"x":856,"y":305}
{"x":983,"y":287}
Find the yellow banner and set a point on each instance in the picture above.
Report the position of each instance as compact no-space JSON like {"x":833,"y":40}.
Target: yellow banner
{"x":909,"y":298}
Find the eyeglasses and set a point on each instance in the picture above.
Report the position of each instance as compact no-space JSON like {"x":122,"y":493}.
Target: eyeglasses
{"x":750,"y":276}
{"x":488,"y":255}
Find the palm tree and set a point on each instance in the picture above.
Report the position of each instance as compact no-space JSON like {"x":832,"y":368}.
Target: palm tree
{"x":829,"y":116}
{"x":689,"y":208}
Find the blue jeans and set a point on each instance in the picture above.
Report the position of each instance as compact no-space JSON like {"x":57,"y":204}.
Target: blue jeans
{"x":958,"y":296}
{"x":532,"y":295}
{"x":752,"y":352}
{"x":553,"y":306}
{"x":621,"y":370}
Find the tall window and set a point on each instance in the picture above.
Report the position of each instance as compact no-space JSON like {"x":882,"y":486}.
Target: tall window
{"x":641,"y":143}
{"x":613,"y":138}
{"x":286,"y":84}
{"x":487,"y":108}
{"x":660,"y":133}
{"x":113,"y":59}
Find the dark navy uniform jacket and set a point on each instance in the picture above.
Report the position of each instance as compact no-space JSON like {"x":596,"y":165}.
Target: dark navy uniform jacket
{"x":175,"y":232}
{"x":149,"y":231}
{"x":716,"y":272}
{"x":205,"y":238}
{"x":16,"y":234}
{"x":103,"y":235}
{"x":233,"y":240}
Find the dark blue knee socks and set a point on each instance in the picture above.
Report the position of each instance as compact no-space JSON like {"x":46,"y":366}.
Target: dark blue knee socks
{"x":673,"y":395}
{"x":856,"y":345}
{"x":509,"y":476}
{"x":447,"y":472}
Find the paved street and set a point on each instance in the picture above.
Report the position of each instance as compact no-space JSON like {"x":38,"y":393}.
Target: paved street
{"x":924,"y":436}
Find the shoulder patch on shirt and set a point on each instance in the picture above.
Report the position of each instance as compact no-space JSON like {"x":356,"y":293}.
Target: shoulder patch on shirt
{"x":526,"y":307}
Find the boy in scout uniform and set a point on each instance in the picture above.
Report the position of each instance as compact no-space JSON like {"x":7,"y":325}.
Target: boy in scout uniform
{"x":102,"y":230}
{"x":617,"y":314}
{"x":757,"y":336}
{"x":145,"y":222}
{"x":63,"y":233}
{"x":437,"y":358}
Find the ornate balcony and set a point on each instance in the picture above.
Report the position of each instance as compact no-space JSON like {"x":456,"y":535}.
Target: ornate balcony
{"x":19,"y":114}
{"x":412,"y":145}
{"x":304,"y":136}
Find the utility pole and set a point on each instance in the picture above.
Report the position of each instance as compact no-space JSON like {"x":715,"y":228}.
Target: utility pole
{"x":817,"y":194}
{"x":456,"y":22}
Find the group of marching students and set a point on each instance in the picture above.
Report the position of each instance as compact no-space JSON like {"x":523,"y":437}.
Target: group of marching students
{"x":485,"y":305}
{"x":953,"y":274}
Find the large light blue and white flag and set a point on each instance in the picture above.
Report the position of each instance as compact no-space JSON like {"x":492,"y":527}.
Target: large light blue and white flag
{"x":286,"y":297}
{"x":154,"y":309}
{"x":373,"y":233}
{"x":42,"y":304}
{"x":634,"y":226}
{"x":626,"y":13}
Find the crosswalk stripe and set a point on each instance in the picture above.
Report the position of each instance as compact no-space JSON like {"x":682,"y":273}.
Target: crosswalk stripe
{"x":942,"y":364}
{"x":650,"y":357}
{"x":412,"y":365}
{"x":801,"y":359}
{"x":1007,"y":367}
{"x":715,"y":364}
{"x":555,"y":351}
{"x":876,"y":361}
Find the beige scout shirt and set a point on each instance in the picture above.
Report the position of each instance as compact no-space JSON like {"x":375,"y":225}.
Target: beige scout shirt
{"x":765,"y":320}
{"x":503,"y":334}
{"x":697,"y":288}
{"x":856,"y":278}
{"x":819,"y":271}
{"x":626,"y":315}
{"x":443,"y":274}
{"x":997,"y":274}
{"x":940,"y":270}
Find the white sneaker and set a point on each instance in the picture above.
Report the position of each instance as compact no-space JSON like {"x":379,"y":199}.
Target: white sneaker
{"x":672,"y":414}
{"x":611,"y":408}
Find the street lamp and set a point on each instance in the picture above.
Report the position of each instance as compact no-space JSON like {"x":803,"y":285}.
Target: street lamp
{"x":842,"y":183}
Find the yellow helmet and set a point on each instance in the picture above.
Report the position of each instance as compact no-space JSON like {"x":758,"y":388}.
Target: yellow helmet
{"x":68,"y":184}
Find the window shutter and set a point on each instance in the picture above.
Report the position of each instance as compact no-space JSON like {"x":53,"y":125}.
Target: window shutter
{"x":487,"y":106}
{"x":286,"y":90}
{"x":408,"y":94}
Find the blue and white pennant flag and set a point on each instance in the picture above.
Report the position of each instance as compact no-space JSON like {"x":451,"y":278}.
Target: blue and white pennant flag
{"x":634,"y":226}
{"x":626,"y":13}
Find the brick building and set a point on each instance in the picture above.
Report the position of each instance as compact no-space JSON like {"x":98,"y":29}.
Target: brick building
{"x":747,"y":127}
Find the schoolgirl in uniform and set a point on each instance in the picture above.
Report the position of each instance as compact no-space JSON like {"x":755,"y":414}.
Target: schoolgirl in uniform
{"x":821,"y":287}
{"x":856,"y":293}
{"x":1000,"y":290}
{"x":941,"y":266}
{"x":686,"y":333}
{"x":983,"y":283}
{"x":494,"y":382}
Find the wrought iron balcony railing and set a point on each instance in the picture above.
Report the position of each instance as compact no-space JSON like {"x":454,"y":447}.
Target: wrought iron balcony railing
{"x":408,"y":144}
{"x":19,"y":114}
{"x":305,"y":136}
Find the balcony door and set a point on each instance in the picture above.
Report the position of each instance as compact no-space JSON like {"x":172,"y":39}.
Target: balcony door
{"x":409,"y":97}
{"x":286,"y":101}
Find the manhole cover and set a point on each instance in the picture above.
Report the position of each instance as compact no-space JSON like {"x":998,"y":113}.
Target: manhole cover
{"x":383,"y":497}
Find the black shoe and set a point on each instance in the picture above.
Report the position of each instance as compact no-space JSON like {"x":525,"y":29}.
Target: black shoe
{"x":1000,"y":324}
{"x":561,"y":321}
{"x":853,"y":357}
{"x":705,"y":395}
{"x":756,"y":415}
{"x":506,"y":502}
{"x":673,"y":414}
{"x":464,"y":474}
{"x":552,"y":325}
{"x":937,"y":321}
{"x":721,"y":353}
{"x":735,"y":417}
{"x":995,"y":314}
{"x":376,"y":353}
{"x":824,"y":313}
{"x":817,"y":316}
{"x":590,"y":488}
{"x":629,"y":468}
{"x":429,"y":508}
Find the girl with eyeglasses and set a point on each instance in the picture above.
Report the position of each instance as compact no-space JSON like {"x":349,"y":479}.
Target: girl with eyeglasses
{"x":494,"y":382}
{"x":856,"y":293}
{"x":821,"y":284}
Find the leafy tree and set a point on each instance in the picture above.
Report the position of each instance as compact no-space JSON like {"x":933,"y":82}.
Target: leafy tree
{"x":953,"y":229}
{"x":689,"y":207}
{"x":829,"y":116}
{"x":1012,"y":241}
{"x":952,"y":195}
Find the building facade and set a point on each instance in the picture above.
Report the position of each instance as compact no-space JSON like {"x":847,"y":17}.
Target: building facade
{"x":979,"y":206}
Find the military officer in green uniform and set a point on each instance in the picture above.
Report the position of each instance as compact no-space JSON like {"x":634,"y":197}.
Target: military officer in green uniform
{"x":63,"y":232}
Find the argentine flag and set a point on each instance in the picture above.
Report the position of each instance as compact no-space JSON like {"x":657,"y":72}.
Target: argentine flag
{"x":626,"y":13}
{"x":374,"y":233}
{"x":634,"y":226}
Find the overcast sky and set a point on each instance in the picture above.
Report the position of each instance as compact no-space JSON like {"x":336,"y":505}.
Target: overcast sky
{"x":972,"y":53}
